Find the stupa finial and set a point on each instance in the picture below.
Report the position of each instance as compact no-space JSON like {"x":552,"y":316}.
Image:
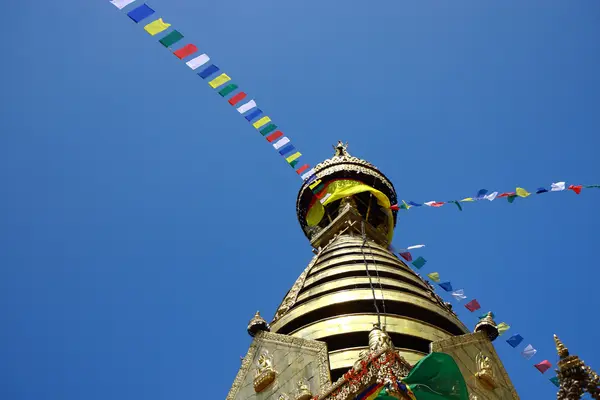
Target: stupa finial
{"x":560,"y":348}
{"x":341,"y":149}
{"x":256,"y":324}
{"x":488,"y":325}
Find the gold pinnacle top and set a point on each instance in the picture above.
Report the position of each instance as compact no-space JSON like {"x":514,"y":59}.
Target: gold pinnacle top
{"x":488,"y":325}
{"x":560,"y":348}
{"x":256,"y":324}
{"x":341,"y":149}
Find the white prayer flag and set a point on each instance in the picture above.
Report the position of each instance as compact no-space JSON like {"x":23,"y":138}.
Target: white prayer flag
{"x":416,"y":246}
{"x":247,"y":107}
{"x":558,"y":186}
{"x":429,"y":203}
{"x":528,"y":352}
{"x":459,"y":295}
{"x":491,"y":196}
{"x":281,"y":142}
{"x":198,"y":61}
{"x":120,"y":4}
{"x":325,"y":198}
{"x":308,"y":174}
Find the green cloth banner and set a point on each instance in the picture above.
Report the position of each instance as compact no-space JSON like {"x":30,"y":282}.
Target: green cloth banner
{"x":437,"y":377}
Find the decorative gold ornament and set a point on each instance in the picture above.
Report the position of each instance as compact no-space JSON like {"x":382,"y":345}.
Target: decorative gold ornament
{"x":256,"y":324}
{"x":303,"y":392}
{"x":488,"y":326}
{"x":485,"y":372}
{"x":265,"y":374}
{"x":283,"y":396}
{"x":575,"y":378}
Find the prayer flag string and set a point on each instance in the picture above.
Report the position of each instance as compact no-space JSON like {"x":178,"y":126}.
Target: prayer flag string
{"x":222,"y":83}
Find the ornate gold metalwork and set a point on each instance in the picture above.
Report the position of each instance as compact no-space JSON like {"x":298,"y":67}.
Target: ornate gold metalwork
{"x":303,"y":392}
{"x":265,"y":374}
{"x":488,"y":326}
{"x":257,"y":323}
{"x":485,"y":372}
{"x":575,"y":378}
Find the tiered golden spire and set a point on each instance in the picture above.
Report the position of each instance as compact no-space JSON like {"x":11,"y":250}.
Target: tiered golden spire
{"x":575,"y":378}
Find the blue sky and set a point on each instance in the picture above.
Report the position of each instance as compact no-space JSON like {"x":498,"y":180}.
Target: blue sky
{"x":144,"y":222}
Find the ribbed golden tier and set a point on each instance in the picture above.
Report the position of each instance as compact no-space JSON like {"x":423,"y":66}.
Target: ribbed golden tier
{"x":332,"y":301}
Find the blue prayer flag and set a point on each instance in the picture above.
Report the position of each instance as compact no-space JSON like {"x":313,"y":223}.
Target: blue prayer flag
{"x":481,"y":193}
{"x":139,"y":13}
{"x":412,"y":203}
{"x":286,"y":149}
{"x":515,"y":340}
{"x":447,"y":286}
{"x":208,"y":71}
{"x":541,"y":190}
{"x":253,"y":114}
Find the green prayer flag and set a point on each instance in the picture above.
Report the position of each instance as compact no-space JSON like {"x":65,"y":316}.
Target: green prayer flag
{"x":511,"y":198}
{"x":457,"y":204}
{"x":592,"y":186}
{"x":293,"y":163}
{"x":482,"y":316}
{"x":419,"y":262}
{"x":268,"y":129}
{"x":384,"y":395}
{"x":554,"y":380}
{"x":228,"y":89}
{"x":437,"y":377}
{"x":171,"y":39}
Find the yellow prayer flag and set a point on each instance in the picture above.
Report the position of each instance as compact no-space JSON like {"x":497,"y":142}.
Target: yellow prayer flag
{"x":434,"y":276}
{"x":406,"y":205}
{"x":468,"y":199}
{"x":261,"y":122}
{"x":156,"y":27}
{"x":314,"y":184}
{"x":522,"y":192}
{"x":293,"y":157}
{"x":219,"y":80}
{"x":503,"y":327}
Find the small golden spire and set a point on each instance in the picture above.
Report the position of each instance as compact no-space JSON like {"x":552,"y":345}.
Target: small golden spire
{"x":488,"y":325}
{"x":256,"y":324}
{"x":560,"y":348}
{"x":341,"y":149}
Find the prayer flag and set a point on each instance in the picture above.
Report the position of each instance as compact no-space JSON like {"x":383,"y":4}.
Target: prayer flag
{"x":394,"y":207}
{"x":228,"y":89}
{"x":140,"y":13}
{"x":482,"y":316}
{"x":253,"y":114}
{"x":481,"y":194}
{"x":511,"y":198}
{"x":120,"y":4}
{"x":557,"y":187}
{"x":246,"y":107}
{"x":434,"y":276}
{"x":434,"y":203}
{"x":416,"y":246}
{"x":506,"y":194}
{"x":287,"y":149}
{"x":308,"y":174}
{"x":447,"y":286}
{"x":274,"y":136}
{"x":419,"y":262}
{"x":324,"y":199}
{"x":261,"y":122}
{"x":237,"y":98}
{"x":171,"y":39}
{"x":575,"y":188}
{"x":543,"y":366}
{"x":514,"y":340}
{"x":473,"y":305}
{"x":434,"y":377}
{"x":280,"y":143}
{"x":592,"y":186}
{"x":412,"y":203}
{"x":268,"y":129}
{"x":208,"y":71}
{"x":405,"y":205}
{"x":541,"y":190}
{"x":407,"y":256}
{"x":502,"y":327}
{"x":293,"y":157}
{"x":491,"y":196}
{"x":459,"y":295}
{"x":185,"y":51}
{"x":555,"y":381}
{"x":457,"y":204}
{"x":528,"y":352}
{"x":156,"y":27}
{"x":219,"y":81}
{"x":303,"y":168}
{"x":197,"y":62}
{"x":467,"y":199}
{"x":522,"y":192}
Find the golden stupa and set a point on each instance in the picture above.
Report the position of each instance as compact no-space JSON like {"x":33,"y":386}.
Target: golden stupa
{"x":357,"y":313}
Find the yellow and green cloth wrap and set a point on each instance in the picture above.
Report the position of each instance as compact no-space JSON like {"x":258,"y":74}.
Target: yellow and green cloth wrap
{"x":341,"y":188}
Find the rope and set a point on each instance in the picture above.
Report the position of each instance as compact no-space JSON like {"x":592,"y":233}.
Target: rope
{"x":364,"y":236}
{"x":380,"y":286}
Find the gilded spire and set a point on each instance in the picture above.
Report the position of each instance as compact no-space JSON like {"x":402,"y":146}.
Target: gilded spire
{"x":560,"y":348}
{"x":341,"y":149}
{"x":488,"y":325}
{"x":256,"y":324}
{"x":575,"y":378}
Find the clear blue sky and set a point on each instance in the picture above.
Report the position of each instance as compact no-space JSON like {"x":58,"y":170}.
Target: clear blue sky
{"x":143,"y":221}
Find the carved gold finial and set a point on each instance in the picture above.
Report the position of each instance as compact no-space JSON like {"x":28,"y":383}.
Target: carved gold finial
{"x":488,"y":325}
{"x":379,"y":339}
{"x":560,"y":348}
{"x":341,"y":149}
{"x":256,"y":324}
{"x":485,"y":372}
{"x":265,"y":374}
{"x":303,"y":392}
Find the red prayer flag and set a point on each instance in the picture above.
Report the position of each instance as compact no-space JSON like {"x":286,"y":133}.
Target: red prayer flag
{"x":543,"y":366}
{"x":407,"y":256}
{"x":437,"y":204}
{"x":303,"y":168}
{"x":575,"y":188}
{"x":394,"y":207}
{"x":473,"y":305}
{"x":506,"y":194}
{"x":274,"y":136}
{"x":237,"y":98}
{"x":185,"y":51}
